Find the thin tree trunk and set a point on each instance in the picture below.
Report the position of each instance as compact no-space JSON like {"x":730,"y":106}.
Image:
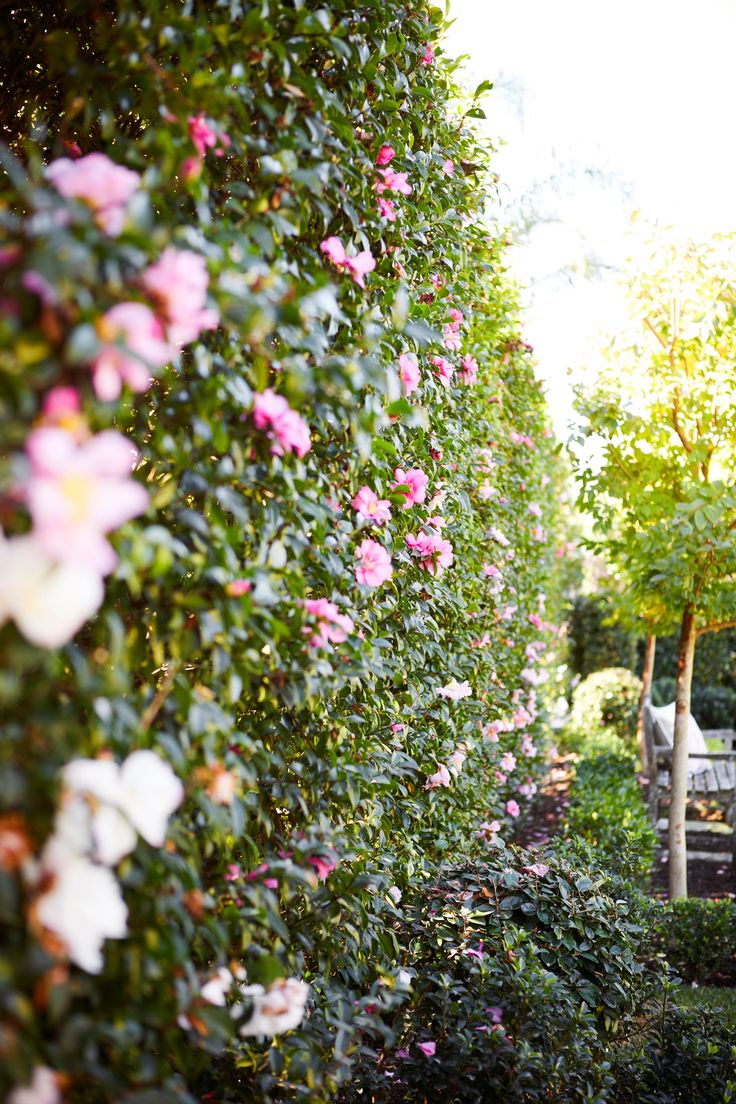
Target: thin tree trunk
{"x":678,"y":783}
{"x":646,"y":688}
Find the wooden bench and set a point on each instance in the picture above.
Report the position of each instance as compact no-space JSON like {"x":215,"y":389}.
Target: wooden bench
{"x":717,"y":783}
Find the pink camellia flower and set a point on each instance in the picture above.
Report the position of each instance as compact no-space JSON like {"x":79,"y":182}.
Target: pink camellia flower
{"x":428,"y":56}
{"x":527,"y":746}
{"x":469,"y":369}
{"x":43,"y":1088}
{"x":456,"y":690}
{"x":358,"y":266}
{"x":393,"y":182}
{"x":450,"y":338}
{"x":512,"y":809}
{"x":324,"y":866}
{"x":445,"y":370}
{"x":397,"y":727}
{"x":62,"y":407}
{"x":457,"y":759}
{"x":499,"y":776}
{"x":535,"y":620}
{"x":98,"y":182}
{"x":428,"y":1048}
{"x":333,"y":627}
{"x":370,"y":507}
{"x":527,"y":789}
{"x":448,"y":167}
{"x":284,"y":427}
{"x":60,"y":401}
{"x":385,"y":154}
{"x":78,"y":492}
{"x":434,"y":552}
{"x":387,"y":209}
{"x":204,"y":137}
{"x":508,"y":762}
{"x":402,"y":1052}
{"x":190,"y":169}
{"x":374,"y":567}
{"x":178,"y":282}
{"x":537,"y":869}
{"x":535,"y":510}
{"x":416,"y":480}
{"x":435,"y":280}
{"x":409,"y":373}
{"x":456,"y":318}
{"x":238,"y":587}
{"x":441,"y":777}
{"x":488,"y":831}
{"x":471,"y":952}
{"x":134,"y":346}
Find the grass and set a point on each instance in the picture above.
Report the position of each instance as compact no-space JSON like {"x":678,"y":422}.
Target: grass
{"x":709,"y":996}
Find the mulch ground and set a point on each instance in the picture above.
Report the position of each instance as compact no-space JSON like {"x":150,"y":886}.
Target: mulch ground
{"x":706,"y":877}
{"x":550,"y":806}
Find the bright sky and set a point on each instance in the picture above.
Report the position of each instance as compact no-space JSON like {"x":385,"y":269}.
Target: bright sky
{"x":643,"y":90}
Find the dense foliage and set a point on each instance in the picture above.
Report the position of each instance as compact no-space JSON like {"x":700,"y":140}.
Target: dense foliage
{"x":314,"y":648}
{"x":525,"y":972}
{"x":593,"y":642}
{"x":698,"y":938}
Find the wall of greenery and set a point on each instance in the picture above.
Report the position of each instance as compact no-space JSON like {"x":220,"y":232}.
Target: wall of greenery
{"x":255,"y":331}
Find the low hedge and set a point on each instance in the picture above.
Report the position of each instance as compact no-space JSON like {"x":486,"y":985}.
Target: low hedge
{"x":522,"y":971}
{"x":698,"y":938}
{"x":607,"y":810}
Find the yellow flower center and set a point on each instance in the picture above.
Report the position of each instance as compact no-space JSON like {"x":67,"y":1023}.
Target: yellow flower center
{"x":77,"y":489}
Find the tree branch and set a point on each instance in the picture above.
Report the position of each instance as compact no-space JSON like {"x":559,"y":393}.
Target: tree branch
{"x":716,"y":626}
{"x":657,"y":334}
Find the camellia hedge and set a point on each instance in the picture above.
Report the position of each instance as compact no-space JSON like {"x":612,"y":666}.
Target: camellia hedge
{"x":278,"y":505}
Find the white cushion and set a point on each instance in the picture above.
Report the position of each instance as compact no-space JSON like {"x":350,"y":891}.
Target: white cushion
{"x":664,"y":718}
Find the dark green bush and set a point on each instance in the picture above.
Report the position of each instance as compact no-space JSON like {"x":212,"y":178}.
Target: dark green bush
{"x":698,"y":938}
{"x":594,"y":645}
{"x":521,"y":974}
{"x":607,"y":810}
{"x":714,"y":663}
{"x":680,"y":1057}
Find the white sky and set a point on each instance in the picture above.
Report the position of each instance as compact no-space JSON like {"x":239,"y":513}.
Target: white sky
{"x":642,"y":89}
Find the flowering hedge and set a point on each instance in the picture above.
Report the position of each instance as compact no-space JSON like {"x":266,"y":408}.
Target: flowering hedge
{"x":278,"y":510}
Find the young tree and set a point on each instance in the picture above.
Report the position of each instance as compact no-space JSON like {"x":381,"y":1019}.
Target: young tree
{"x":656,"y":460}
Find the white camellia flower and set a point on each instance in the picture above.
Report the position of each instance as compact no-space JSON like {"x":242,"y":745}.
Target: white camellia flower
{"x":394,"y":893}
{"x":279,"y":1008}
{"x":43,"y":1089}
{"x":84,"y":905}
{"x":149,"y":793}
{"x":456,"y":690}
{"x":48,"y":601}
{"x":216,"y":989}
{"x":144,"y":789}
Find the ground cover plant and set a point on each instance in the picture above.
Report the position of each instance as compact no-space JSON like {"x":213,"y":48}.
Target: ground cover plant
{"x":278,"y":529}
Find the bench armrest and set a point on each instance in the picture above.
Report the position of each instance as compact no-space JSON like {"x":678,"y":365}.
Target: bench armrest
{"x":666,"y":753}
